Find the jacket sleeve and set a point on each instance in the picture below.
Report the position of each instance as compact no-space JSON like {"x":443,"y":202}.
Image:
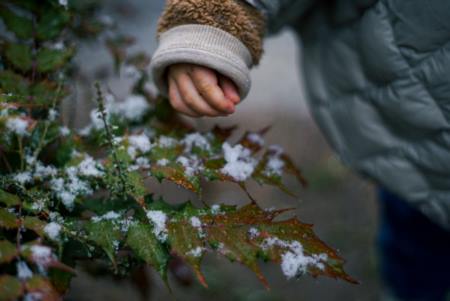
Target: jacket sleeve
{"x":225,"y":35}
{"x":280,"y":13}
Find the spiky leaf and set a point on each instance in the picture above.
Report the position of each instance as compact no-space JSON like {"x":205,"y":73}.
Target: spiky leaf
{"x":9,"y":199}
{"x":19,"y":55}
{"x":52,"y":59}
{"x":106,"y":235}
{"x":147,"y":247}
{"x":21,"y":26}
{"x":250,"y":233}
{"x":7,"y":219}
{"x":35,"y":224}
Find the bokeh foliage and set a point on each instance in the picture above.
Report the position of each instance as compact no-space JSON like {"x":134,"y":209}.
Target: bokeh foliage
{"x":69,"y":195}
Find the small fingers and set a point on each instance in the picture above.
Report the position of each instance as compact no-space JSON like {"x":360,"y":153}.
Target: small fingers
{"x":191,"y":98}
{"x":229,"y":89}
{"x":176,"y":101}
{"x":206,"y":82}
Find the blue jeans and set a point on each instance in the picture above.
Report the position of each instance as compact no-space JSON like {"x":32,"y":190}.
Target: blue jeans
{"x":415,"y":252}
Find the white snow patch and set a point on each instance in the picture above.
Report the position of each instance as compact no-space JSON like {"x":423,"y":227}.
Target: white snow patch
{"x":274,"y":166}
{"x":17,"y":126}
{"x":63,"y":3}
{"x":191,"y":165}
{"x":167,"y":142}
{"x":89,"y":167}
{"x":111,"y":215}
{"x":197,"y":252}
{"x":52,"y":113}
{"x":162,"y":162}
{"x":140,"y":163}
{"x":42,"y":171}
{"x":256,"y":139}
{"x":23,"y":177}
{"x":253,"y":233}
{"x":133,"y":108}
{"x":196,"y":139}
{"x":53,"y":230}
{"x":276,"y":149}
{"x":195,"y":222}
{"x":67,"y":198}
{"x":294,"y":262}
{"x":140,"y":142}
{"x":64,"y":131}
{"x":41,"y":255}
{"x":131,"y":72}
{"x":215,"y":209}
{"x":23,"y":271}
{"x":240,"y":165}
{"x":158,"y":219}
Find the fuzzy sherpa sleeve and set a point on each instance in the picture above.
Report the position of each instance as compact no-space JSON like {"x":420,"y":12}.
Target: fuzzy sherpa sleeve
{"x":225,"y":35}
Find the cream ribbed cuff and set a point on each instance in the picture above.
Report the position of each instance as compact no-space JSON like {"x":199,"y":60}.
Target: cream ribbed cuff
{"x":206,"y":46}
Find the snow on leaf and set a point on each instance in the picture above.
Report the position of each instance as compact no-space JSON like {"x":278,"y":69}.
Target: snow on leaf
{"x":105,"y":234}
{"x":148,"y":248}
{"x":175,"y":173}
{"x":250,"y":233}
{"x":43,"y":256}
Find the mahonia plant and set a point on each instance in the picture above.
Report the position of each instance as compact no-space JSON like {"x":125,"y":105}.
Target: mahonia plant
{"x":69,"y":195}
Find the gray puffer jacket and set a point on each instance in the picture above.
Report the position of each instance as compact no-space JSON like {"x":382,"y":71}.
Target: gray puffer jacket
{"x":378,"y":84}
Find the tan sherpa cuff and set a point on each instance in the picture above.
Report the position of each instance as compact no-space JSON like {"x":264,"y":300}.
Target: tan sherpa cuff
{"x":206,"y":46}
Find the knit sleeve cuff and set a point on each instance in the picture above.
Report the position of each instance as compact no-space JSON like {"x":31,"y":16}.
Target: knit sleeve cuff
{"x":206,"y":46}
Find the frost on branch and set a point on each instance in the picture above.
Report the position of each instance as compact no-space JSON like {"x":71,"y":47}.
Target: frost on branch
{"x":70,"y":194}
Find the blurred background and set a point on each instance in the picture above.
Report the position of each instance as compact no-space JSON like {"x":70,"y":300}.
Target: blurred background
{"x":340,"y":205}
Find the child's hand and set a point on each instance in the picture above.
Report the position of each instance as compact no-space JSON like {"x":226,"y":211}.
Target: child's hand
{"x":199,"y":91}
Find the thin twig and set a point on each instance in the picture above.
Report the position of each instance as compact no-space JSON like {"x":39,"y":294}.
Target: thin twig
{"x":110,"y":138}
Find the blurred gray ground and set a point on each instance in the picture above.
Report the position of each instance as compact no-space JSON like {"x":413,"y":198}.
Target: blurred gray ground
{"x":341,"y":205}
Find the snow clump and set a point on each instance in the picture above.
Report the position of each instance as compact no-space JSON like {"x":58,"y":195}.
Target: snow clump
{"x":17,"y":126}
{"x":294,"y":262}
{"x":158,"y":219}
{"x":196,"y":139}
{"x":197,"y":252}
{"x":240,"y":165}
{"x":53,"y":230}
{"x":23,"y":271}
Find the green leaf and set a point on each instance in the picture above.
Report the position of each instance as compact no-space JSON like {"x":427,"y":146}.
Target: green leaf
{"x":51,"y":59}
{"x":8,"y":251}
{"x":9,"y":199}
{"x":13,"y":83}
{"x":19,"y":55}
{"x":46,"y":93}
{"x":250,"y":233}
{"x":60,"y":280}
{"x":21,"y":26}
{"x":51,"y":23}
{"x":147,"y":247}
{"x":7,"y":219}
{"x":10,"y":288}
{"x":106,"y":235}
{"x":175,"y":173}
{"x":35,"y":224}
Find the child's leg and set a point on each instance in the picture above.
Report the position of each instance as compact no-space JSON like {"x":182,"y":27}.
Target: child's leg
{"x":415,"y":252}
